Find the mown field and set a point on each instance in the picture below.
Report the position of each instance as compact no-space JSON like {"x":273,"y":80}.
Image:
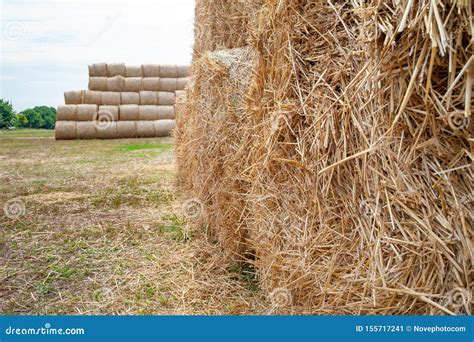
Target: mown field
{"x":102,"y":232}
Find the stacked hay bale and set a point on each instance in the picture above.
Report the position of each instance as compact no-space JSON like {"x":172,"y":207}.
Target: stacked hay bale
{"x":122,"y":102}
{"x":354,"y":150}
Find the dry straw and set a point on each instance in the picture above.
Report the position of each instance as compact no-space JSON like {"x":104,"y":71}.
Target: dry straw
{"x":66,"y":113}
{"x":343,"y":169}
{"x":65,"y":130}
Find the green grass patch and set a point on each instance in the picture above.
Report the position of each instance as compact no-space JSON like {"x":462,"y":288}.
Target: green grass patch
{"x":139,"y":147}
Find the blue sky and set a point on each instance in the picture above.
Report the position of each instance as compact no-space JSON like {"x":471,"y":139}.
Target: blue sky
{"x":46,"y":45}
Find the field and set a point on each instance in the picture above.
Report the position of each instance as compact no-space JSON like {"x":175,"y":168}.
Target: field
{"x":102,"y":232}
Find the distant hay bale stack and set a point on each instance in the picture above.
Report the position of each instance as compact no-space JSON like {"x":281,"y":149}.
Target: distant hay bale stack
{"x":166,"y":98}
{"x":163,"y":128}
{"x":151,"y":70}
{"x":66,"y":113}
{"x":73,"y":97}
{"x":126,"y":129}
{"x":98,"y":83}
{"x":98,"y":70}
{"x":168,"y":84}
{"x":166,"y":113}
{"x":149,"y":98}
{"x":209,"y":141}
{"x":145,"y":129}
{"x":148,"y":113}
{"x":133,"y":84}
{"x":181,"y":83}
{"x":108,"y":113}
{"x":116,"y":83}
{"x":129,"y":112}
{"x":168,"y":71}
{"x":86,"y":112}
{"x":133,"y":71}
{"x":65,"y":130}
{"x":151,"y":84}
{"x":117,"y":69}
{"x":92,"y":97}
{"x":184,"y":71}
{"x":86,"y":130}
{"x":107,"y":130}
{"x":111,"y":98}
{"x":130,"y":98}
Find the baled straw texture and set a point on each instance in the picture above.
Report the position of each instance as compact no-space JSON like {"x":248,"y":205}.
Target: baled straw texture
{"x":86,"y":130}
{"x":184,"y":71}
{"x":130,"y":98}
{"x":150,"y":98}
{"x":355,"y":162}
{"x":126,"y":129}
{"x":86,"y":112}
{"x":133,"y":84}
{"x":111,"y":98}
{"x":151,"y":70}
{"x":73,"y":97}
{"x":164,"y":128}
{"x":117,"y":69}
{"x":98,"y":70}
{"x":181,"y":83}
{"x":66,"y":113}
{"x":129,"y":112}
{"x":98,"y":83}
{"x":107,"y":130}
{"x":151,"y":84}
{"x":133,"y":71}
{"x":108,"y":113}
{"x":166,"y":98}
{"x":145,"y":129}
{"x":65,"y":130}
{"x":116,"y":83}
{"x":168,"y":71}
{"x":92,"y":97}
{"x":168,"y":84}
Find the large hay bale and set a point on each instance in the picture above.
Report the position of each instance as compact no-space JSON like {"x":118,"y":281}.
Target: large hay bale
{"x":145,"y":129}
{"x":73,"y":97}
{"x":130,"y":98}
{"x":148,"y":113}
{"x":150,"y":98}
{"x":166,"y":113}
{"x":86,"y":112}
{"x":117,"y":69}
{"x":66,"y":113}
{"x":129,"y":112}
{"x":108,"y":113}
{"x":181,"y":83}
{"x":107,"y":130}
{"x":353,"y":191}
{"x":184,"y":71}
{"x":111,"y":98}
{"x":168,"y":84}
{"x":116,"y":83}
{"x":126,"y":129}
{"x":98,"y":83}
{"x":92,"y":97}
{"x":151,"y":84}
{"x":98,"y":70}
{"x":133,"y":84}
{"x":166,"y":98}
{"x":86,"y":130}
{"x":164,"y":128}
{"x":151,"y":70}
{"x":65,"y":130}
{"x":133,"y":71}
{"x":168,"y":71}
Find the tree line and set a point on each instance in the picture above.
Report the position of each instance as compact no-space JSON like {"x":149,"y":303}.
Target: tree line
{"x":36,"y":117}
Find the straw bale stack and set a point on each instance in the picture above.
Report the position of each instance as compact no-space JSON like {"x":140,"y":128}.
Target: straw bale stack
{"x":352,"y":157}
{"x":65,"y":130}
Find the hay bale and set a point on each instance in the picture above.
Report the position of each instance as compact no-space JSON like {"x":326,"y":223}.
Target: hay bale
{"x":181,"y":83}
{"x":133,"y":84}
{"x":98,"y":83}
{"x":65,"y":130}
{"x":66,"y":113}
{"x":98,"y":70}
{"x":168,"y":84}
{"x":151,"y":70}
{"x":117,"y":69}
{"x":347,"y":183}
{"x":133,"y":71}
{"x":166,"y":98}
{"x":92,"y":97}
{"x":180,"y":94}
{"x":73,"y":97}
{"x":151,"y":84}
{"x":169,"y":71}
{"x":111,"y":98}
{"x":107,"y":130}
{"x":129,"y":112}
{"x":130,"y":98}
{"x":166,"y":113}
{"x":126,"y":129}
{"x":145,"y":129}
{"x":184,"y":71}
{"x":148,"y":113}
{"x":150,"y":98}
{"x":108,"y":113}
{"x":86,"y":112}
{"x":116,"y":83}
{"x":164,"y":128}
{"x":86,"y":130}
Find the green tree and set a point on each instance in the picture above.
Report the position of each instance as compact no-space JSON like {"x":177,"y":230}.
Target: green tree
{"x":22,"y":120}
{"x":40,"y":117}
{"x":34,"y":118}
{"x":7,"y":114}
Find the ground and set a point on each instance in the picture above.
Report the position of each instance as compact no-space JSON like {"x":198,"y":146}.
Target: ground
{"x":102,"y":232}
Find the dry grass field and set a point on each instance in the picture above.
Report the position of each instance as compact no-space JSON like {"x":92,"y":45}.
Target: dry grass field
{"x":102,"y":233}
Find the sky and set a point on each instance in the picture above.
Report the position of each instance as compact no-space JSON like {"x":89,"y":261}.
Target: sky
{"x":46,"y":45}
